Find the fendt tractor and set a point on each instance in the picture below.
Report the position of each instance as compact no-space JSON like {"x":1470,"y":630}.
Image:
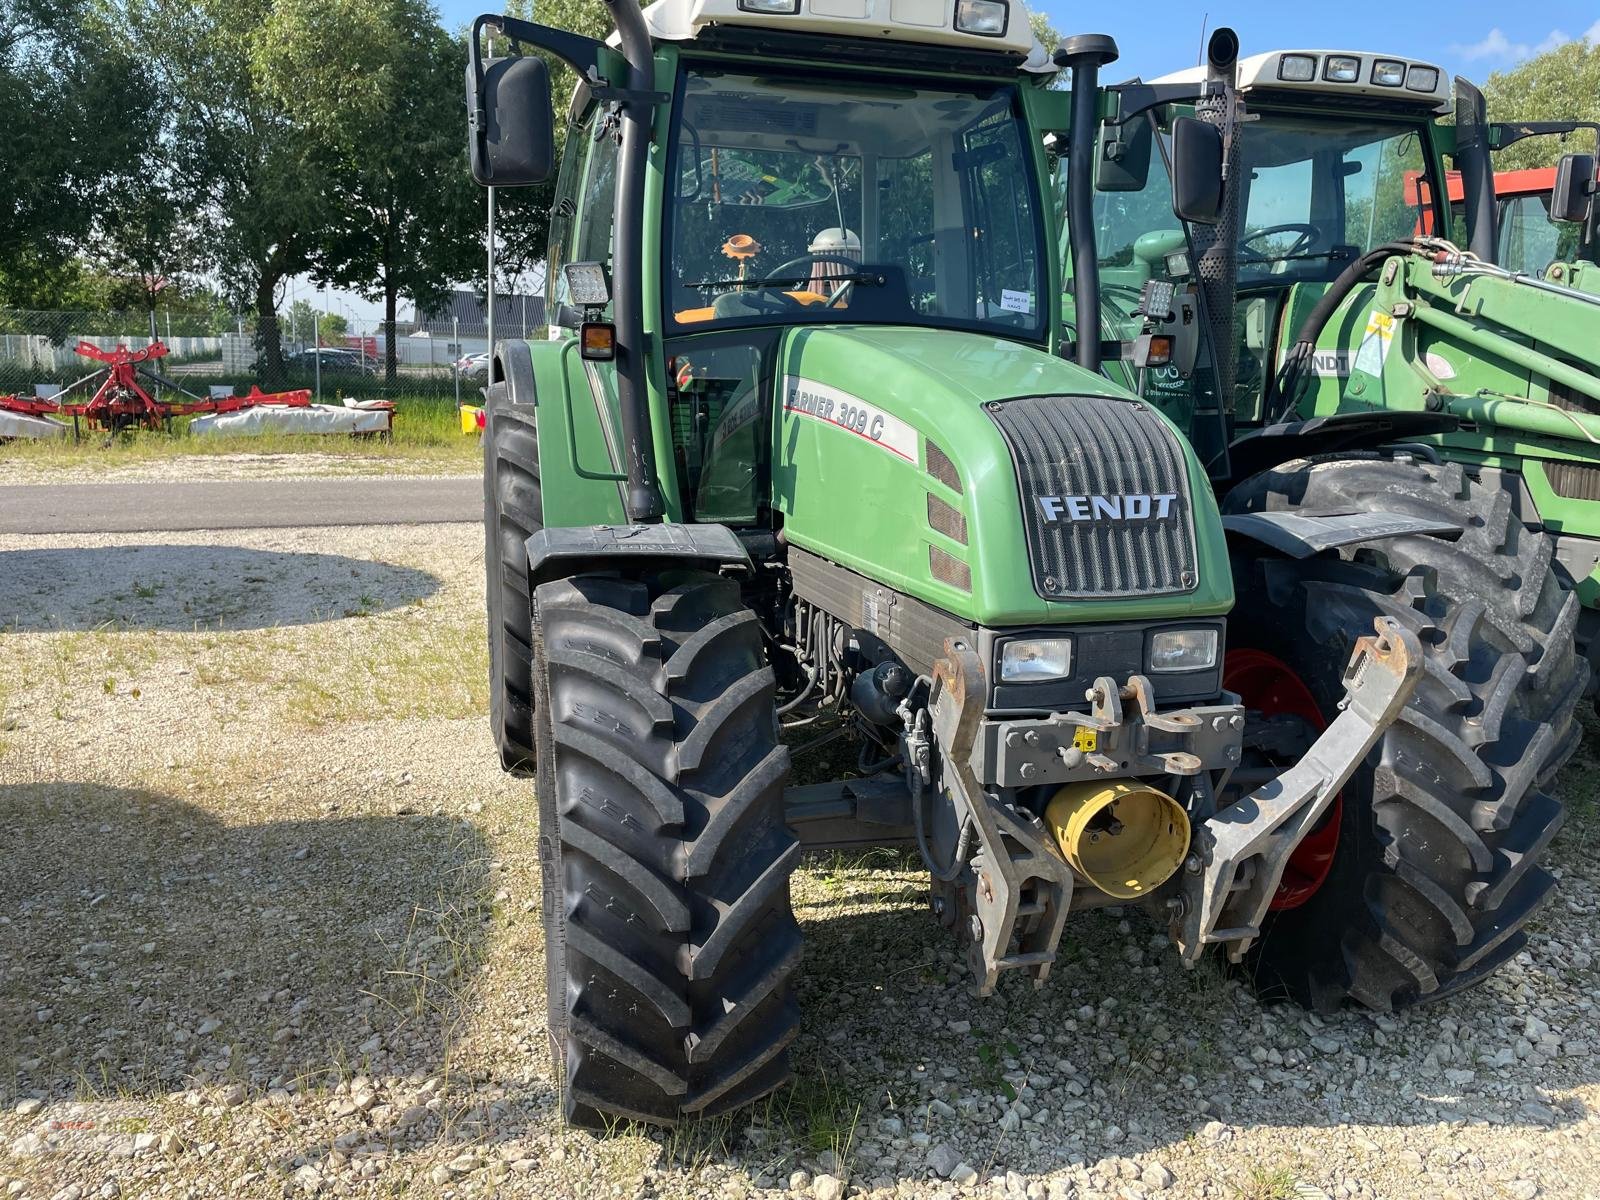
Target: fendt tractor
{"x":1478,"y":356}
{"x":816,"y":444}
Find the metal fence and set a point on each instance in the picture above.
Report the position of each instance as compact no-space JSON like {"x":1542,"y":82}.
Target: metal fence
{"x":334,"y":357}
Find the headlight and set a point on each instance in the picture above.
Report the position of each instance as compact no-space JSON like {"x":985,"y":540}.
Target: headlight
{"x":1341,"y":68}
{"x":1423,"y":79}
{"x":1297,"y":68}
{"x":769,"y":6}
{"x":1386,"y":73}
{"x":1041,"y":658}
{"x":1183,"y":650}
{"x":987,"y":17}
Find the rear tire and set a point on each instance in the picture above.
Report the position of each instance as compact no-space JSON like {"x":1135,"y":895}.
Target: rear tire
{"x":669,"y":938}
{"x":1442,"y":827}
{"x":513,"y":511}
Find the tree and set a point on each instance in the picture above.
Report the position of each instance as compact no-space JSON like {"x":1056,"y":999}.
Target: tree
{"x":1563,"y":84}
{"x":268,"y":200}
{"x":304,"y":318}
{"x":78,"y":117}
{"x":386,"y":115}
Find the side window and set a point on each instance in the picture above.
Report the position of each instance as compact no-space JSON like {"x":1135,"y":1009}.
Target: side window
{"x":580,"y":221}
{"x":1529,"y":240}
{"x":1003,"y":249}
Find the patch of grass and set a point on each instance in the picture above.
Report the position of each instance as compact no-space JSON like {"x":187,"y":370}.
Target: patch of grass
{"x":1267,"y":1183}
{"x":427,"y":431}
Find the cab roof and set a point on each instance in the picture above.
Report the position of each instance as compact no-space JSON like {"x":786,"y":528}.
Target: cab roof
{"x":1285,"y":70}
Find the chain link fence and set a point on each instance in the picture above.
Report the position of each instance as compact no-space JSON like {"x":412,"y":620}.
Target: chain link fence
{"x":440,"y":360}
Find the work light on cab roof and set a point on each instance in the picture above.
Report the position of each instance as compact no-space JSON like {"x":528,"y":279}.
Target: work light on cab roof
{"x":1393,"y":77}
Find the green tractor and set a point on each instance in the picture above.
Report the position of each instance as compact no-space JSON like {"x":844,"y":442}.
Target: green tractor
{"x":816,"y":442}
{"x":1347,"y":313}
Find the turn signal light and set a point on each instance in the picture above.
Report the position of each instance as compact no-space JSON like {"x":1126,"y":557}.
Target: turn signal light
{"x":597,"y":341}
{"x":1160,"y":351}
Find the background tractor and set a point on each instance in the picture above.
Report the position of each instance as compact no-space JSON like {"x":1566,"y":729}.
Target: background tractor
{"x":1347,"y":308}
{"x":818,"y":444}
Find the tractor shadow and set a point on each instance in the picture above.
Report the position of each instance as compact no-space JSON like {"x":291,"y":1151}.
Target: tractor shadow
{"x":147,"y":948}
{"x":189,"y":587}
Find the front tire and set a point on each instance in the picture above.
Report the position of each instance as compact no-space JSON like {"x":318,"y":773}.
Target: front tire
{"x":1441,"y":830}
{"x":669,"y":938}
{"x":513,"y":510}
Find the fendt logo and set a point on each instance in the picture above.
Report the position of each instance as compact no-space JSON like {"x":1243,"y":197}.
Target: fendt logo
{"x":1107,"y":508}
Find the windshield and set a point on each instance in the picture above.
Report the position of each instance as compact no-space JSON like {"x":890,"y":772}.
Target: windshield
{"x":799,"y":201}
{"x":1321,"y":192}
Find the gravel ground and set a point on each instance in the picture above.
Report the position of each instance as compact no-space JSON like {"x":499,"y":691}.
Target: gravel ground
{"x":269,"y":926}
{"x":92,"y":468}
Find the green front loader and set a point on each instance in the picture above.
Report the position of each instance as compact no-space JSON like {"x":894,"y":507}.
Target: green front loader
{"x":816,"y":447}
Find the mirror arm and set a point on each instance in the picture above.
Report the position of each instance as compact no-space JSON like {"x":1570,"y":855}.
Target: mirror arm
{"x":580,"y":53}
{"x":1509,"y":133}
{"x":1132,"y":99}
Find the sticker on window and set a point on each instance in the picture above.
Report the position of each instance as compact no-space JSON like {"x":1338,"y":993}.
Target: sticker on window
{"x":1017,"y":302}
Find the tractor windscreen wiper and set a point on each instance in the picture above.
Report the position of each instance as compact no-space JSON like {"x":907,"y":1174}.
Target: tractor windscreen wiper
{"x":870,"y":278}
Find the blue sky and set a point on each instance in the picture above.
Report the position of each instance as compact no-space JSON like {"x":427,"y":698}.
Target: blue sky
{"x":1467,"y":37}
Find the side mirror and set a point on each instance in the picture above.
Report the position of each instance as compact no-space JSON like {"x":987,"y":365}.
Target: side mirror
{"x":1196,"y":171}
{"x":1574,"y":188}
{"x":1124,"y":158}
{"x":510,"y":124}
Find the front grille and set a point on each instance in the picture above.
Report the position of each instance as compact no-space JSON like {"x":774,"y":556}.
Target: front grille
{"x":947,"y":568}
{"x":1105,"y":497}
{"x":946,"y":519}
{"x":1575,"y":481}
{"x":1573,"y":401}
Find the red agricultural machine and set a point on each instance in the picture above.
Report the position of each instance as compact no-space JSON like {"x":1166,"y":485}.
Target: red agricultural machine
{"x":119,"y":400}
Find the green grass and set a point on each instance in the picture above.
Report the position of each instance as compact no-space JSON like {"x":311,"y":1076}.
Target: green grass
{"x":427,"y":431}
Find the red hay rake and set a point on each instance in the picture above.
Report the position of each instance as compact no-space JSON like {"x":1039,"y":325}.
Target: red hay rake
{"x":120,"y":401}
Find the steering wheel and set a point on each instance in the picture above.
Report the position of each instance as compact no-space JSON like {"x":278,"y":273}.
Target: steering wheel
{"x":1308,"y":234}
{"x":794,"y":265}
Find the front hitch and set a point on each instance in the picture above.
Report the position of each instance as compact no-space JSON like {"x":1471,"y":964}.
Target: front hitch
{"x":1238,"y":856}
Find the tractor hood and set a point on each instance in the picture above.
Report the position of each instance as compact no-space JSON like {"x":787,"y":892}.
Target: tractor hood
{"x":995,"y":481}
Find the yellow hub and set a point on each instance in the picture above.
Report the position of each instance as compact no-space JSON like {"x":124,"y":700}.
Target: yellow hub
{"x":1124,"y":838}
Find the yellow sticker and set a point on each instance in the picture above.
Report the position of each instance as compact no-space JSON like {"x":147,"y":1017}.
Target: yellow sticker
{"x":1085,"y":739}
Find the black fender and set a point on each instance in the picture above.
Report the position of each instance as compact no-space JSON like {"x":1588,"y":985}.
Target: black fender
{"x":557,"y":553}
{"x":1301,"y":535}
{"x":1339,"y":433}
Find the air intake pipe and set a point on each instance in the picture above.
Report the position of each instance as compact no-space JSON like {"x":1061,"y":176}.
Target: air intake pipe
{"x":1084,"y":55}
{"x":644,"y":502}
{"x":1477,"y":173}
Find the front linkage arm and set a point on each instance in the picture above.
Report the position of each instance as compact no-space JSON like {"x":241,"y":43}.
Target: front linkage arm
{"x":1238,"y":857}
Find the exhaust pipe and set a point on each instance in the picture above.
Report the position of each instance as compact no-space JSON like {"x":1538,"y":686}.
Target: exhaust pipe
{"x":644,"y":501}
{"x":1084,"y":55}
{"x":1474,"y":160}
{"x":1123,"y":838}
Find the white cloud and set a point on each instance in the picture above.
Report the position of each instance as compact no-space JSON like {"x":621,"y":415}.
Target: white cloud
{"x":1592,"y":34}
{"x":1496,"y":47}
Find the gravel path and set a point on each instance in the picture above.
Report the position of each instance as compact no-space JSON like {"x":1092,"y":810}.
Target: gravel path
{"x":269,"y":926}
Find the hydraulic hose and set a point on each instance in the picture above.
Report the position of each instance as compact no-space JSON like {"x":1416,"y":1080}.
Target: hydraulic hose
{"x":1286,"y":387}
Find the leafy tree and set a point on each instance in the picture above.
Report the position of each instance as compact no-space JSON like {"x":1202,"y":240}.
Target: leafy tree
{"x":269,"y":200}
{"x":386,"y":118}
{"x":304,"y":317}
{"x":1563,"y":84}
{"x":78,"y":116}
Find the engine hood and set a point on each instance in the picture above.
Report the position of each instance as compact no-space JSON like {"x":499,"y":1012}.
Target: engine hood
{"x":989,"y":478}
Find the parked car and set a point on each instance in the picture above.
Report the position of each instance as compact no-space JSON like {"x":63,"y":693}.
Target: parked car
{"x":474,"y":368}
{"x":335,"y":361}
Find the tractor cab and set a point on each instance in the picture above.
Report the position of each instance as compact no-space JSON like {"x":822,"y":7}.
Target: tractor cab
{"x":1338,"y":154}
{"x":1332,"y":162}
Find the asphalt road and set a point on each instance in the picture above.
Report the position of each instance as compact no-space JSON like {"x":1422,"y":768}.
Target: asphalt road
{"x":237,"y":504}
